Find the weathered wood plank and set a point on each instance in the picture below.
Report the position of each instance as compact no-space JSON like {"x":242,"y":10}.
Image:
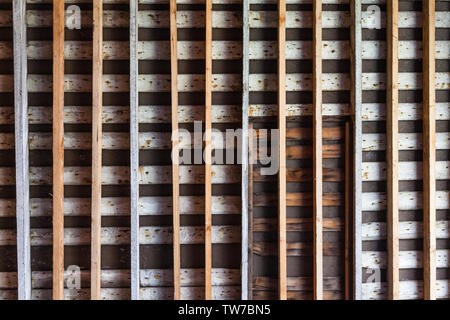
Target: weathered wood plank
{"x":120,"y":206}
{"x":175,"y":149}
{"x":121,"y":278}
{"x":224,"y":82}
{"x":408,"y":170}
{"x":406,"y":230}
{"x":281,"y":83}
{"x":392,"y":154}
{"x":97,"y":104}
{"x":429,"y":151}
{"x":121,"y":235}
{"x":298,"y":249}
{"x":21,"y":151}
{"x":408,"y":290}
{"x":407,"y":259}
{"x":408,"y":200}
{"x":226,"y":19}
{"x":57,"y":143}
{"x":357,"y":54}
{"x":224,"y":50}
{"x":298,"y":200}
{"x":317,"y":151}
{"x":120,"y":175}
{"x":208,"y":148}
{"x":246,"y":186}
{"x":134,"y":148}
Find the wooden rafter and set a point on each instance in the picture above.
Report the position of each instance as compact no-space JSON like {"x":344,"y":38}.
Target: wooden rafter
{"x":96,"y":198}
{"x":21,"y":151}
{"x":356,"y":102}
{"x":134,"y":152}
{"x":429,"y":150}
{"x":175,"y":150}
{"x":392,"y":147}
{"x":58,"y":150}
{"x":208,"y":146}
{"x":317,"y":150}
{"x":245,"y":188}
{"x":282,"y":259}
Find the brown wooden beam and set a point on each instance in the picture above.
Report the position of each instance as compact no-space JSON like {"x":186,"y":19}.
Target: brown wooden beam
{"x":429,"y":150}
{"x":317,"y":149}
{"x":58,"y":150}
{"x":96,"y":198}
{"x":175,"y":150}
{"x":282,"y":259}
{"x":208,"y":154}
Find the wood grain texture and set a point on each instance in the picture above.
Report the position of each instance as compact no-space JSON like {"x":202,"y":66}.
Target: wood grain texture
{"x":282,"y":258}
{"x":356,"y":102}
{"x":208,"y":146}
{"x":429,"y":151}
{"x":58,"y":150}
{"x":348,"y":216}
{"x":134,"y":153}
{"x":246,"y":185}
{"x":251,"y":143}
{"x":392,"y":159}
{"x":317,"y":150}
{"x":175,"y":150}
{"x":21,"y":151}
{"x":97,"y":92}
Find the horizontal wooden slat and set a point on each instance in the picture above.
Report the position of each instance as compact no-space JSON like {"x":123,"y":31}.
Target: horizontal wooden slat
{"x":114,"y":141}
{"x":297,"y":249}
{"x":296,"y":224}
{"x":222,"y":50}
{"x":407,"y":111}
{"x":408,"y":170}
{"x":297,"y":283}
{"x":223,"y":82}
{"x":120,"y":114}
{"x":297,"y":199}
{"x":406,"y":230}
{"x":407,"y":200}
{"x":407,"y":259}
{"x":120,"y":206}
{"x":121,"y":236}
{"x":121,"y":278}
{"x":120,"y":175}
{"x":156,"y":293}
{"x":406,"y":141}
{"x":296,"y":295}
{"x":301,"y":175}
{"x":409,"y":289}
{"x":300,"y":133}
{"x":225,"y":19}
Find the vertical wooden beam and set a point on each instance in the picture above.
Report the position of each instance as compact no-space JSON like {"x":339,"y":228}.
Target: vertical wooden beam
{"x":244,"y":152}
{"x":175,"y":151}
{"x":58,"y":150}
{"x":356,"y":101}
{"x":208,"y":155}
{"x":134,"y":152}
{"x":97,"y":81}
{"x":429,"y":151}
{"x":21,"y":146}
{"x":282,"y":254}
{"x":317,"y":146}
{"x":251,"y":146}
{"x":348,"y":198}
{"x":392,"y":147}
